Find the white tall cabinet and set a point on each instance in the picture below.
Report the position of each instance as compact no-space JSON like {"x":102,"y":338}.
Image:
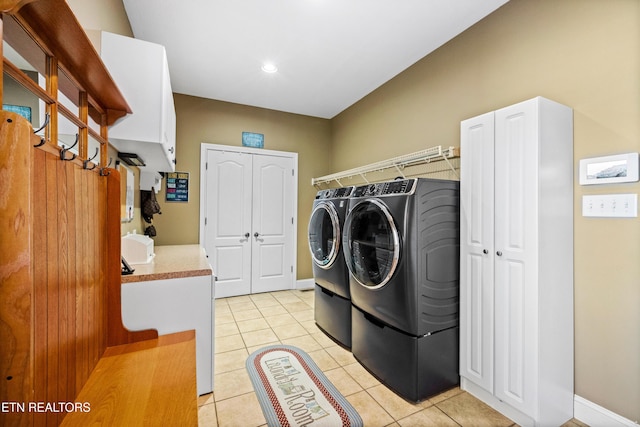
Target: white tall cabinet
{"x":516,"y":278}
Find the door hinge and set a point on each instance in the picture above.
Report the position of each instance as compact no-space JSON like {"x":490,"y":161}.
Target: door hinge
{"x":292,"y":268}
{"x":206,"y":166}
{"x":205,"y":221}
{"x":293,"y":172}
{"x":291,"y":220}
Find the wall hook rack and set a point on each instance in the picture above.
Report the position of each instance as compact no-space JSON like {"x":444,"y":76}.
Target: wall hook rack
{"x":63,"y":151}
{"x":86,"y":162}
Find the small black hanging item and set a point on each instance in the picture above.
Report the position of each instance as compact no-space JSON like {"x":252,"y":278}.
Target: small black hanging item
{"x":150,"y":231}
{"x":150,"y":205}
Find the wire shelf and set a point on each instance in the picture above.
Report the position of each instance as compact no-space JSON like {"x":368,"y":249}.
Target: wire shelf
{"x":437,"y":153}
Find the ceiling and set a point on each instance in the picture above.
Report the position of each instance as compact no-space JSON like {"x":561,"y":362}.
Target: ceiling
{"x":329,"y":53}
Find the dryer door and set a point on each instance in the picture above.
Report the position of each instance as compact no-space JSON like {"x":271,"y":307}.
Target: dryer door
{"x":371,"y":243}
{"x":324,"y":234}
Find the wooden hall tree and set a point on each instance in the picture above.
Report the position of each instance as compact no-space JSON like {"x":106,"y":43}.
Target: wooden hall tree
{"x":59,"y":215}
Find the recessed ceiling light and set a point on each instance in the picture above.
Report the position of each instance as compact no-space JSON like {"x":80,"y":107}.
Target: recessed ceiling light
{"x":269,"y":67}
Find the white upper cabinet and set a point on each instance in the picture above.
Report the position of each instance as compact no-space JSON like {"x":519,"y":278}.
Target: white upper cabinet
{"x":141,"y":71}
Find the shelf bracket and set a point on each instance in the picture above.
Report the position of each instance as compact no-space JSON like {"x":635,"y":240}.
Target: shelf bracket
{"x":399,"y":171}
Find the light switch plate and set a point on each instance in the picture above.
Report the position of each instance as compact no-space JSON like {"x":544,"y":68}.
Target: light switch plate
{"x":610,"y":205}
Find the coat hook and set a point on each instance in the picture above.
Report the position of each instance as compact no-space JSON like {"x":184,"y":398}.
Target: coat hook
{"x":86,"y":162}
{"x":105,"y":171}
{"x":41,"y":143}
{"x":63,"y":151}
{"x":46,"y":122}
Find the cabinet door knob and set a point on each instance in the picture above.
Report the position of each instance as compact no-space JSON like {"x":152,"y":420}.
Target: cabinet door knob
{"x":484,"y":251}
{"x":246,"y":235}
{"x":499,"y":253}
{"x":256,"y":234}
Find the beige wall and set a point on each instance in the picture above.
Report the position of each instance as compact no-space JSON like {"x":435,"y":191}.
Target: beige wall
{"x":203,"y":120}
{"x":585,"y":54}
{"x":103,"y":15}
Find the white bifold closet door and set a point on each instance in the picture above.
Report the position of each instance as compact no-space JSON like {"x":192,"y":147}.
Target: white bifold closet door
{"x":249,"y":219}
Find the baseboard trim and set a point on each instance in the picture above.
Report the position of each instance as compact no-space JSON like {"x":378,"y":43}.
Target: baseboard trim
{"x":489,"y":399}
{"x":305,"y":284}
{"x":596,"y":416}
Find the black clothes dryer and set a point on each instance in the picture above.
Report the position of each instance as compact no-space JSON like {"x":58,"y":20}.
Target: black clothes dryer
{"x":401,"y":244}
{"x":332,"y":297}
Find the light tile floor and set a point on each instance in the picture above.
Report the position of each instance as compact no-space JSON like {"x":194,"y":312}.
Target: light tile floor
{"x":246,"y":323}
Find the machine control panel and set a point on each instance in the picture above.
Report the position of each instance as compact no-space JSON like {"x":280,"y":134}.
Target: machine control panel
{"x":399,"y":187}
{"x":366,"y":190}
{"x":390,"y":188}
{"x":335,"y":193}
{"x":343,"y":192}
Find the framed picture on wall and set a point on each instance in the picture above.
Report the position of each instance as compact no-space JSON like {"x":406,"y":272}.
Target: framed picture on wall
{"x":253,"y":140}
{"x":177,"y":189}
{"x":19,"y":109}
{"x":609,"y":169}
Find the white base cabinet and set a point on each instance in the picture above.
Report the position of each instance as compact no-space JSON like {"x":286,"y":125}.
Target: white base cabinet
{"x":516,"y":249}
{"x":175,"y":305}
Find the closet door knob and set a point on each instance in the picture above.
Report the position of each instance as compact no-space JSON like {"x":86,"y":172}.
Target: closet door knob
{"x":499,"y":253}
{"x":246,"y":235}
{"x":484,"y":251}
{"x":256,"y":234}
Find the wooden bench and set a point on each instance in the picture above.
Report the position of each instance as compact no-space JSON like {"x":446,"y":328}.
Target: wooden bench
{"x":145,"y":383}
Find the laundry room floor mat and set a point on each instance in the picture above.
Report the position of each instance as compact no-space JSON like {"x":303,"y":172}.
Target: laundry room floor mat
{"x":293,"y":391}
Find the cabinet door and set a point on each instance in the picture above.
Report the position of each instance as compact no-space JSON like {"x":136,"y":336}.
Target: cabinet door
{"x":169,"y":117}
{"x":476,"y":250}
{"x":516,"y":246}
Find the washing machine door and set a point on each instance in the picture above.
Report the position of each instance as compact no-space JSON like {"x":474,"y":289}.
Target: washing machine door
{"x":371,"y":243}
{"x":324,"y":234}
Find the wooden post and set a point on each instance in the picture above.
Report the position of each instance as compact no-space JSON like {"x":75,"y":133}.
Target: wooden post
{"x":16,"y":295}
